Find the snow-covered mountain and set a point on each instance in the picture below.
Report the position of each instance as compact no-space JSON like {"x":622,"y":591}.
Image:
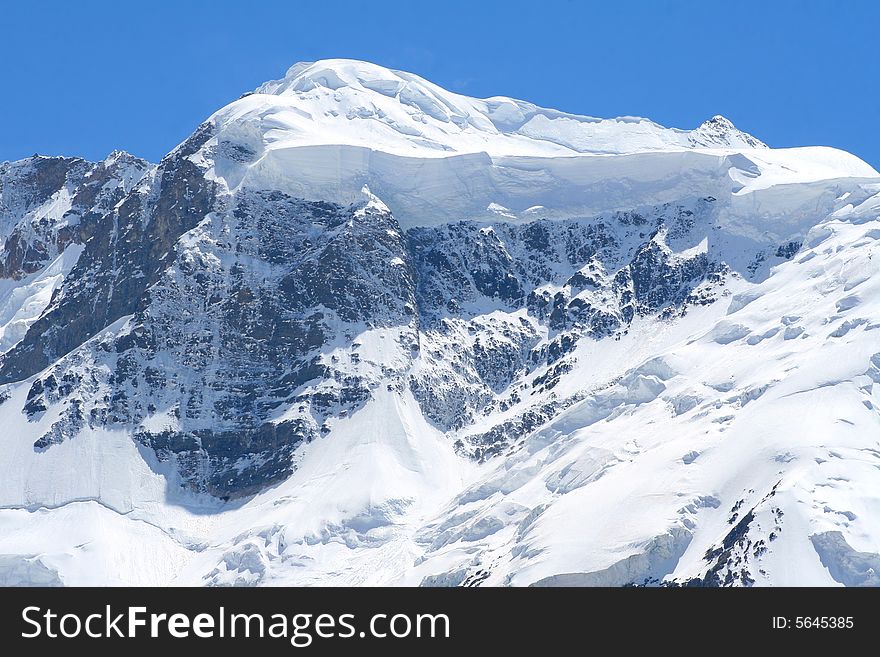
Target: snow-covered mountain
{"x":357,"y":329}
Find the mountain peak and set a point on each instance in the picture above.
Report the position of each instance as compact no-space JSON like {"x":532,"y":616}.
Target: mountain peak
{"x":719,"y":131}
{"x":720,"y":120}
{"x":358,"y":329}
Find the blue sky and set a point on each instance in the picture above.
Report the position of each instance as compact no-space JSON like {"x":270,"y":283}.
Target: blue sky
{"x":83,"y":78}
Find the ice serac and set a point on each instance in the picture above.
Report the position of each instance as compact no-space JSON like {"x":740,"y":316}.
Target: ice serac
{"x":358,"y":329}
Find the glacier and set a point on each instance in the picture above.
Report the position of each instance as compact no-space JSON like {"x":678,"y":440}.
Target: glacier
{"x":360,"y":330}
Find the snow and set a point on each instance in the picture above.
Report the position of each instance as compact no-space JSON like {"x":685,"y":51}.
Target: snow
{"x":347,"y":515}
{"x":329,"y":127}
{"x":356,"y":510}
{"x":350,"y":102}
{"x":22,"y":302}
{"x":84,"y":542}
{"x":800,"y":420}
{"x":764,"y":404}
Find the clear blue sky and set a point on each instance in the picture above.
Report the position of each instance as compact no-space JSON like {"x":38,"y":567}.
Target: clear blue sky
{"x":83,"y":78}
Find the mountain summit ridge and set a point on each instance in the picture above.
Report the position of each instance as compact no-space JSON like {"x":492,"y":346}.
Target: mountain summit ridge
{"x":372,"y":92}
{"x":340,"y":124}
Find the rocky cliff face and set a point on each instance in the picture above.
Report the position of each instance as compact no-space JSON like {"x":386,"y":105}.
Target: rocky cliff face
{"x":47,"y":203}
{"x":504,"y":306}
{"x":129,"y":246}
{"x":226,"y":310}
{"x":241,"y":313}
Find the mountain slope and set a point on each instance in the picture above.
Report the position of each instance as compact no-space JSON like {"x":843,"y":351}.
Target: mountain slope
{"x":358,"y":329}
